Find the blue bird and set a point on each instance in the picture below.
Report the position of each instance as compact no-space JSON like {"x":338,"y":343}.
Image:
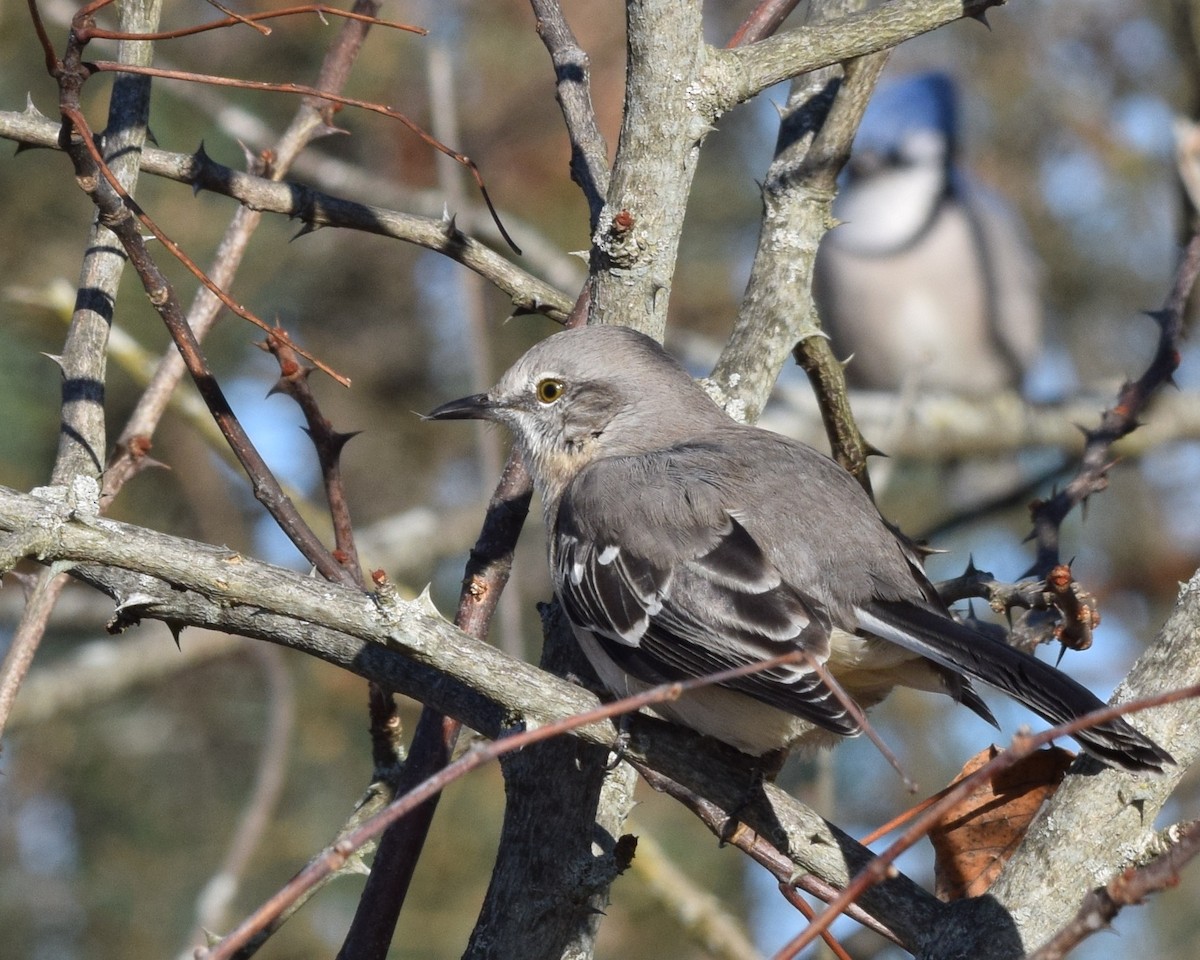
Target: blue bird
{"x":927,"y":279}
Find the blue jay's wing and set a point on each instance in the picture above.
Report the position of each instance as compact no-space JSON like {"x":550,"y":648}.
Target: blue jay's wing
{"x":705,"y":598}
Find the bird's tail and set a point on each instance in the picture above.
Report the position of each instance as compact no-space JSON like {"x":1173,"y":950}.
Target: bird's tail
{"x":1048,"y":692}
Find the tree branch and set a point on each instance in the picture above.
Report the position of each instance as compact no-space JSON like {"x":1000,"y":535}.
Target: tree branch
{"x":316,"y":209}
{"x":738,"y":74}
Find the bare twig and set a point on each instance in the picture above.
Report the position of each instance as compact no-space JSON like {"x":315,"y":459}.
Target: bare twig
{"x":316,"y":209}
{"x":328,"y":443}
{"x":487,"y":573}
{"x":729,"y":829}
{"x":162,"y":295}
{"x":794,"y":52}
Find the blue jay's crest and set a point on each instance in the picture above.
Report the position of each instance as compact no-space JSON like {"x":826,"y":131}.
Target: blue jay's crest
{"x":924,"y":102}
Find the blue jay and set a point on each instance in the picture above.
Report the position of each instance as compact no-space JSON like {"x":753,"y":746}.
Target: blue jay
{"x":926,"y":279}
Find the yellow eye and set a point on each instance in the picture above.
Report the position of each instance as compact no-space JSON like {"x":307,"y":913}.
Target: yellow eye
{"x":549,"y":390}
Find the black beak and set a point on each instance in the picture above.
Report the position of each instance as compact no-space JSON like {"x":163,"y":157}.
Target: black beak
{"x":475,"y":407}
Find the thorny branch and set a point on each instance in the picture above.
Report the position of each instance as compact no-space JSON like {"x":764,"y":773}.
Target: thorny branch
{"x":298,"y":89}
{"x":316,"y":209}
{"x":1119,"y":419}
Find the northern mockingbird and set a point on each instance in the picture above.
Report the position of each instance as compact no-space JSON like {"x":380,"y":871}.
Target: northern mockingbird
{"x":927,"y":276}
{"x":682,"y":543}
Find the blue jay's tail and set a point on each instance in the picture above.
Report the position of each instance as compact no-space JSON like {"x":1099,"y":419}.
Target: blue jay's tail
{"x":1048,"y":692}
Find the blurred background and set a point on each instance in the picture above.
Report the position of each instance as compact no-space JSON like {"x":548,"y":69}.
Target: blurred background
{"x":117,"y":807}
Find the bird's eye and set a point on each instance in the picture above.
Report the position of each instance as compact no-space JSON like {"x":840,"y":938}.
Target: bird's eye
{"x":549,"y":390}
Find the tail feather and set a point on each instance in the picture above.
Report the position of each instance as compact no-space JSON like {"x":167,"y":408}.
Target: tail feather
{"x":1048,"y":692}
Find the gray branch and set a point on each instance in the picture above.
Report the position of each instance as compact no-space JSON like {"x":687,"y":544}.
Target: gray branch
{"x":737,"y":75}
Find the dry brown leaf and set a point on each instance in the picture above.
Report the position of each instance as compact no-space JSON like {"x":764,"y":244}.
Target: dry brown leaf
{"x":976,"y":837}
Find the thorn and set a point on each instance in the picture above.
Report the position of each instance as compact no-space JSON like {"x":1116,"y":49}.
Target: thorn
{"x":424,"y":603}
{"x":872,"y":450}
{"x":201,"y":161}
{"x":339,"y":440}
{"x":1161,"y":317}
{"x":329,"y":130}
{"x":307,"y":228}
{"x":123,"y":617}
{"x":136,"y":600}
{"x":981,"y":16}
{"x":280,"y":386}
{"x":32,"y":111}
{"x":58,"y":360}
{"x":148,"y":463}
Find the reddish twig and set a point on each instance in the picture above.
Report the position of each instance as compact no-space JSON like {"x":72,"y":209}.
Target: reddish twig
{"x":860,"y":717}
{"x":88,"y":33}
{"x":118,"y":217}
{"x":80,"y":125}
{"x":763,"y":21}
{"x":400,"y":847}
{"x":729,"y":829}
{"x":792,"y":896}
{"x":53,"y":64}
{"x":477,"y":756}
{"x":882,"y":866}
{"x":299,"y":89}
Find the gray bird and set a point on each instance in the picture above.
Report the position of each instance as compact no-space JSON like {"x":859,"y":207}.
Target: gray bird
{"x":682,"y":543}
{"x":927,"y":277}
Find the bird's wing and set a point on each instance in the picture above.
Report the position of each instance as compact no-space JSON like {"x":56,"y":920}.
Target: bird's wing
{"x":687,"y":593}
{"x":1048,"y":692}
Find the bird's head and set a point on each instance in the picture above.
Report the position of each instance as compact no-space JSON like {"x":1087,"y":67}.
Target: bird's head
{"x":584,"y":394}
